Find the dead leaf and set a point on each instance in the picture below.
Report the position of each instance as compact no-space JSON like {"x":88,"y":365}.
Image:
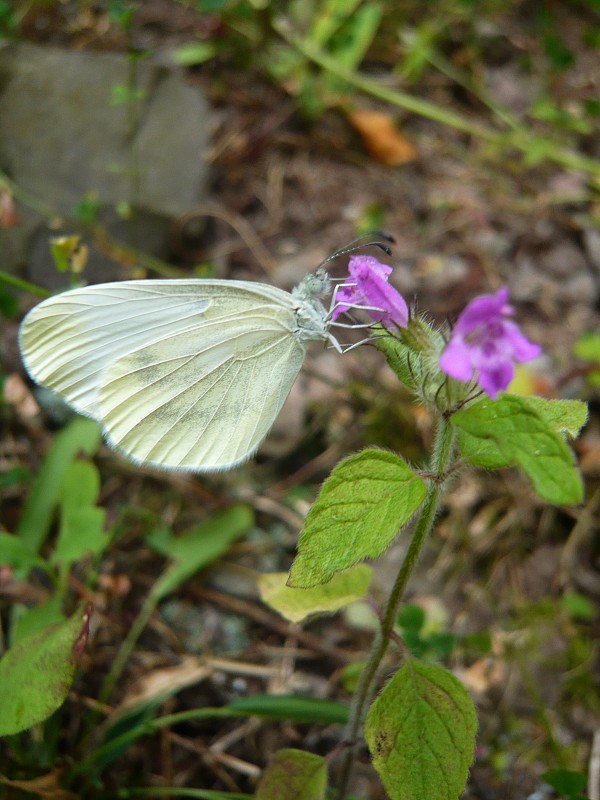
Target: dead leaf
{"x":164,"y":682}
{"x":381,"y":138}
{"x":46,"y":786}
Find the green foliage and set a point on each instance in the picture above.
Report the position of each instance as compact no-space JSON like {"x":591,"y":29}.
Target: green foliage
{"x":587,"y":348}
{"x":81,"y":435}
{"x":9,"y":305}
{"x":194,"y":53}
{"x":435,"y":644}
{"x":359,"y":511}
{"x":514,"y":431}
{"x":81,"y":529}
{"x":36,"y":673}
{"x":198,"y":547}
{"x":296,"y":708}
{"x":421,"y":733}
{"x":297,"y":604}
{"x":567,"y":782}
{"x":295,"y":775}
{"x":579,"y":607}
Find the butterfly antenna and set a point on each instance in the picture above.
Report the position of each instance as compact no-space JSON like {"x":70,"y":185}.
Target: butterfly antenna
{"x":359,"y":243}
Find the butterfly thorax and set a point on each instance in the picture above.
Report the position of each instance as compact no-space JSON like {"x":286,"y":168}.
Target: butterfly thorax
{"x":311,"y":316}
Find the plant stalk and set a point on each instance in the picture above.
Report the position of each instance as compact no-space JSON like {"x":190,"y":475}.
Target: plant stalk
{"x":442,"y":459}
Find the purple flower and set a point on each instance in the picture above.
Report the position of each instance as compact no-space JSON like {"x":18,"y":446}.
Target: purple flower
{"x":367,"y":288}
{"x":485,"y":344}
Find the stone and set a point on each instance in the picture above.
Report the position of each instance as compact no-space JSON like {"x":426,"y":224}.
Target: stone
{"x":63,"y":137}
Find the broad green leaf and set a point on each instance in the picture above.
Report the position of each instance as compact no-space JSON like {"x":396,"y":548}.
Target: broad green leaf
{"x":565,"y":781}
{"x":510,"y":431}
{"x":296,"y":604}
{"x":566,"y":417}
{"x":421,"y":733}
{"x":80,"y":435}
{"x":36,"y":619}
{"x":201,"y":546}
{"x":14,"y":553}
{"x":295,"y":775}
{"x":359,"y":511}
{"x":36,"y":673}
{"x":81,"y":528}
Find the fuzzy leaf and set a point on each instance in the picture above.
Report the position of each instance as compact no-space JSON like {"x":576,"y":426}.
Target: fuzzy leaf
{"x":295,"y":775}
{"x":296,"y":604}
{"x":511,"y":431}
{"x":359,"y":511}
{"x":36,"y":673}
{"x":421,"y":733}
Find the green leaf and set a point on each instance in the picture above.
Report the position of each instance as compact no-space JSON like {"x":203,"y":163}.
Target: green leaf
{"x":359,"y":511}
{"x":294,"y":708}
{"x":81,"y":528}
{"x":36,"y":619}
{"x":192,"y":53}
{"x":36,"y":673}
{"x":296,"y":604}
{"x":587,"y":347}
{"x":17,"y":555}
{"x":421,"y":734}
{"x":81,"y":435}
{"x":566,"y":417}
{"x":510,"y":431}
{"x":295,"y":775}
{"x":201,"y":546}
{"x":578,"y":606}
{"x":565,"y":781}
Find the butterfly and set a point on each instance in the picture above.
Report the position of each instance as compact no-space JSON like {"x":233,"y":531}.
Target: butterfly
{"x":180,"y":374}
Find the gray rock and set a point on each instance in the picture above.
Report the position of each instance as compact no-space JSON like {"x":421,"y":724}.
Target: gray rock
{"x":62,"y":137}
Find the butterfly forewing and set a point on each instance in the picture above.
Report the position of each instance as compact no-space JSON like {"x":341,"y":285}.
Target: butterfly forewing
{"x":186,"y":374}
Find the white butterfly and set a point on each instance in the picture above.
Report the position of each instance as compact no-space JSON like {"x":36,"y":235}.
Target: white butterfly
{"x":181,"y":374}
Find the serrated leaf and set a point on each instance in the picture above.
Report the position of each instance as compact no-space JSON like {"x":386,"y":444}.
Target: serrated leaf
{"x":295,"y":775}
{"x":297,"y":604}
{"x":510,"y":431}
{"x":566,"y":417}
{"x":421,"y":733}
{"x":359,"y":511}
{"x":36,"y":673}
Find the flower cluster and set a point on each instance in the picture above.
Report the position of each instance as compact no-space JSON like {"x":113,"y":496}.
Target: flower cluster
{"x":484,"y":345}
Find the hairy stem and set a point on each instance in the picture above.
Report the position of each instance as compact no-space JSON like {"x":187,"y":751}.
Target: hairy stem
{"x":441,"y":461}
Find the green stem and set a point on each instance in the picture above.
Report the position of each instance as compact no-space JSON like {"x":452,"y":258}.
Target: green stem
{"x":128,"y":646}
{"x":23,"y":285}
{"x":517,"y":137}
{"x":441,"y":461}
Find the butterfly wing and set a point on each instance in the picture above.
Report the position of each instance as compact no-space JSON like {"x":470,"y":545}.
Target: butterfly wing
{"x":181,"y":374}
